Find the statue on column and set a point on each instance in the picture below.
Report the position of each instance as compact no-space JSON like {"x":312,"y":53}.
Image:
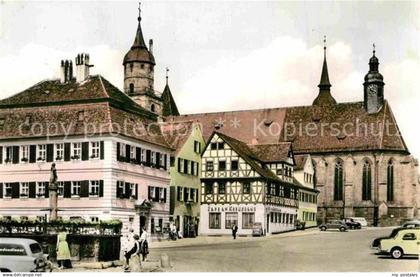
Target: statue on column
{"x":53,"y":193}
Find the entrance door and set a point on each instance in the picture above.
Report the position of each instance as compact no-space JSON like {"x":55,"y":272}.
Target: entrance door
{"x":268,"y":224}
{"x":143,"y":223}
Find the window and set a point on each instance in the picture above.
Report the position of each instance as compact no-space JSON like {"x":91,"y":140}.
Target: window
{"x":42,"y":152}
{"x":222,"y":165}
{"x":409,"y":236}
{"x":222,"y":188}
{"x":209,"y":188}
{"x":234,"y":165}
{"x":272,"y":189}
{"x":221,"y":145}
{"x":248,"y":220}
{"x":390,"y":181}
{"x":230,"y":219}
{"x":338,"y":181}
{"x":75,"y":188}
{"x":131,"y":70}
{"x":197,"y":147}
{"x":246,"y":188}
{"x":279,"y":171}
{"x":59,"y":151}
{"x":281,"y":192}
{"x":94,"y":219}
{"x":209,"y":166}
{"x":214,"y":220}
{"x":24,"y":190}
{"x":143,"y":154}
{"x":94,"y":149}
{"x":162,"y":160}
{"x":180,"y":193}
{"x":131,"y":87}
{"x":120,"y":189}
{"x":94,"y":188}
{"x":40,"y":190}
{"x":213,"y":146}
{"x":60,"y":188}
{"x":7,"y":190}
{"x":9,"y":154}
{"x":161,"y":193}
{"x":152,"y":108}
{"x":367,"y":181}
{"x":153,"y":154}
{"x":77,"y":149}
{"x":25,"y":153}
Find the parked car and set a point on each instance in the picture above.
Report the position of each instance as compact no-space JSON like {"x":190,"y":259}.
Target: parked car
{"x":333,"y":224}
{"x":257,"y":229}
{"x":361,"y":220}
{"x":21,"y":255}
{"x":412,"y":223}
{"x":351,"y":224}
{"x":377,"y":242}
{"x":405,"y":243}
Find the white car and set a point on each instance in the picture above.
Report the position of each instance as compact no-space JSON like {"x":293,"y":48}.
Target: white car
{"x":21,"y":255}
{"x":361,"y":220}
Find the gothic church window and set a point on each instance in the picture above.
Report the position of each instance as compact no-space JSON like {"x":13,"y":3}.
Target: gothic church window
{"x":390,"y":181}
{"x":367,"y":181}
{"x":338,"y":181}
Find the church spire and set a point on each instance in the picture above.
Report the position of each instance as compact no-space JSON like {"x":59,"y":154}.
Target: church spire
{"x":324,"y":97}
{"x":139,"y":40}
{"x":325,"y":80}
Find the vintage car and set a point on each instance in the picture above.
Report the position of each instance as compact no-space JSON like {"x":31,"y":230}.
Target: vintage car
{"x":412,"y":223}
{"x":21,"y":255}
{"x":333,"y":224}
{"x":405,"y":243}
{"x":361,"y":220}
{"x":351,"y":224}
{"x":377,"y":242}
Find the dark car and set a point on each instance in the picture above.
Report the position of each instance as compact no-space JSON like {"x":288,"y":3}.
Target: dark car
{"x":333,"y":224}
{"x":351,"y":224}
{"x":377,"y":242}
{"x":412,"y":224}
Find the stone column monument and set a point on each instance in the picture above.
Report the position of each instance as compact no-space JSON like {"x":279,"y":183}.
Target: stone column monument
{"x":53,"y":193}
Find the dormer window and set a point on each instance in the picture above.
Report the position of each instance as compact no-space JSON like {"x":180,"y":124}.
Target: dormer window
{"x":81,"y":116}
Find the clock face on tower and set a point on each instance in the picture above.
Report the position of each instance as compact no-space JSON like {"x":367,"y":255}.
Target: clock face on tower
{"x":372,"y":90}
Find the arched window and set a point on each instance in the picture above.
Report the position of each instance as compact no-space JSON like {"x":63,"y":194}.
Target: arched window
{"x":131,"y":88}
{"x":338,"y":181}
{"x":152,"y":107}
{"x":390,"y":181}
{"x":367,"y":181}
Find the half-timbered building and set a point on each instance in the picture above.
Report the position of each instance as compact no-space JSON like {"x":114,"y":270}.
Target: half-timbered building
{"x":247,"y":185}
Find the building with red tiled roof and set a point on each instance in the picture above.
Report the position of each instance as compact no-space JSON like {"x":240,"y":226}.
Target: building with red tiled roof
{"x":363,"y":166}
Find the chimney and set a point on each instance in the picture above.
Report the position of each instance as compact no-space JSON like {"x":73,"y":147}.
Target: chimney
{"x":82,"y":67}
{"x":151,"y":46}
{"x":66,"y":73}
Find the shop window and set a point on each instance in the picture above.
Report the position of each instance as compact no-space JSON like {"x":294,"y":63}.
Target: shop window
{"x":230,"y":220}
{"x":248,"y":220}
{"x":214,"y":220}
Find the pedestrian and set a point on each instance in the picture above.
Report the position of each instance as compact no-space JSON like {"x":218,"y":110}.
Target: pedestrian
{"x":135,"y":250}
{"x":63,"y":250}
{"x":144,"y":244}
{"x":234,"y":230}
{"x":128,"y":242}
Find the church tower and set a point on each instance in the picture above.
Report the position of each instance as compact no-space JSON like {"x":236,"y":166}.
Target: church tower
{"x":373,"y":86}
{"x":324,"y":97}
{"x":139,"y":66}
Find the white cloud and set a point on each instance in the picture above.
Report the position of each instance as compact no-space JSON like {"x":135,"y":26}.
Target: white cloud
{"x":35,"y":63}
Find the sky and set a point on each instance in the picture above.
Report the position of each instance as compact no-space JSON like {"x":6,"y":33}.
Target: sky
{"x":225,"y":55}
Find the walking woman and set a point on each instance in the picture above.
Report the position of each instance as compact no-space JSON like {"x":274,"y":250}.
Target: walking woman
{"x":63,"y":251}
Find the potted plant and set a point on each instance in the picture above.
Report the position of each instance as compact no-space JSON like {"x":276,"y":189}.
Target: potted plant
{"x":59,"y":158}
{"x":40,"y":159}
{"x":133,"y":161}
{"x":40,"y":194}
{"x":93,"y":156}
{"x":7,"y":160}
{"x":24,"y":159}
{"x":75,"y":157}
